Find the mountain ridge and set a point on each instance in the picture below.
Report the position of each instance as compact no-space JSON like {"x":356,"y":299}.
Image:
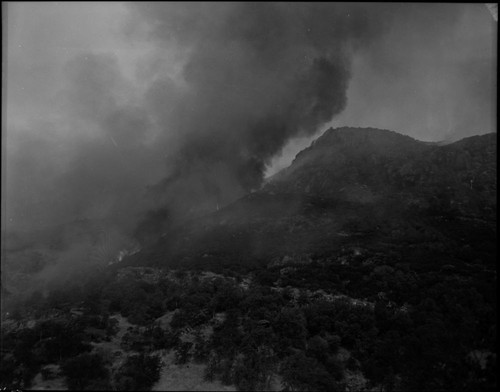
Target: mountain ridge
{"x":367,"y":182}
{"x":365,"y":268}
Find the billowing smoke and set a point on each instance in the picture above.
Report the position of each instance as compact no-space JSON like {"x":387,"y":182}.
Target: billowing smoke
{"x":250,"y":76}
{"x":253,"y":76}
{"x":181,"y":109}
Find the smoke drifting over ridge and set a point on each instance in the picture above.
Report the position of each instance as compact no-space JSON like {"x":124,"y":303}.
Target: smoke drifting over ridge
{"x":254,"y":76}
{"x":212,"y":93}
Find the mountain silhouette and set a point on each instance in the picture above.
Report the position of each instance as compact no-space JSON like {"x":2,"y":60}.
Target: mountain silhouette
{"x":352,"y":188}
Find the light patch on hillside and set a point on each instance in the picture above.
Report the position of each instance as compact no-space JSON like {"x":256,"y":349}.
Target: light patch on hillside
{"x":188,"y":377}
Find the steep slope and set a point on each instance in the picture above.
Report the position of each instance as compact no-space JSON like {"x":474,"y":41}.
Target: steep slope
{"x":358,"y":164}
{"x":352,"y":187}
{"x":369,"y":264}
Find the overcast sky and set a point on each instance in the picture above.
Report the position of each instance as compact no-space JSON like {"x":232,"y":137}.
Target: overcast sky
{"x":97,"y":96}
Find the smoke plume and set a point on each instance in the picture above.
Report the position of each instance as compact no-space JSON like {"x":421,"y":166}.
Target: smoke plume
{"x":253,"y":76}
{"x":180,"y":108}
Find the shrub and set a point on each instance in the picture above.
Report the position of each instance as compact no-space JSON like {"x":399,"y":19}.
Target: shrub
{"x":201,"y":349}
{"x":139,"y":372}
{"x":182,"y":352}
{"x":85,"y":371}
{"x":303,"y":373}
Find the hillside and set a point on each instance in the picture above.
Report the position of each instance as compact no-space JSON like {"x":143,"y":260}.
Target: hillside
{"x":368,"y":264}
{"x":354,"y":187}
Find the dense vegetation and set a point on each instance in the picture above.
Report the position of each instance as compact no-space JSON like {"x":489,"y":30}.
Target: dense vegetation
{"x":388,"y":281}
{"x":419,"y":331}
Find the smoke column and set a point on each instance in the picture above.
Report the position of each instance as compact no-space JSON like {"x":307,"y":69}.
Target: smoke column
{"x":253,"y":76}
{"x":180,"y":107}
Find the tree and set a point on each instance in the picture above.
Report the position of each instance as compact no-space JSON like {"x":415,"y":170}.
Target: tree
{"x":182,"y":352}
{"x":139,"y":372}
{"x":201,"y":349}
{"x":112,"y":327}
{"x":317,"y":347}
{"x":8,"y":370}
{"x":290,"y":326}
{"x":212,"y":366}
{"x":301,"y":373}
{"x":333,"y":342}
{"x":84,"y":371}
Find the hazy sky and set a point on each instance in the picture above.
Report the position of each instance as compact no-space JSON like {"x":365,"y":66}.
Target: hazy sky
{"x":432,"y":77}
{"x":102,"y":99}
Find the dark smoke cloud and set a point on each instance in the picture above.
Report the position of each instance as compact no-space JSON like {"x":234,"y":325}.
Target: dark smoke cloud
{"x":254,"y":75}
{"x":212,"y":92}
{"x":98,"y":173}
